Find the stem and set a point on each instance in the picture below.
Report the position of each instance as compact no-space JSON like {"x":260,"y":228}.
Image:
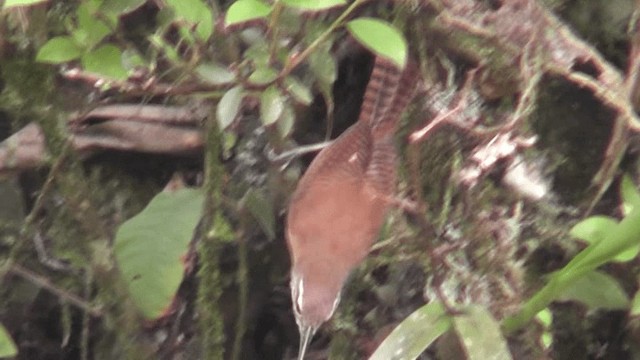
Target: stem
{"x":273,"y":29}
{"x":243,"y":293}
{"x":537,"y":303}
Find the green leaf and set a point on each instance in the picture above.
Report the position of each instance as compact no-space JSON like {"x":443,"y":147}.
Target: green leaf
{"x":121,"y":7}
{"x":91,"y":37}
{"x":150,"y":248}
{"x":215,"y":74}
{"x":380,"y":37}
{"x":629,"y":193}
{"x":59,"y":50}
{"x":596,"y":290}
{"x":90,"y":30}
{"x":545,"y":317}
{"x":323,"y":65}
{"x":314,"y":5}
{"x":105,"y":60}
{"x":7,"y":345}
{"x":480,"y":335}
{"x":228,"y":107}
{"x":258,"y":52}
{"x":263,"y":76}
{"x":595,"y":229}
{"x":271,"y":105}
{"x":13,"y":3}
{"x":635,"y":305}
{"x":131,"y":60}
{"x":286,"y":121}
{"x":546,"y":339}
{"x":195,"y":12}
{"x":169,"y":50}
{"x":262,"y":210}
{"x":229,"y":142}
{"x":298,"y":90}
{"x":243,"y":11}
{"x":625,"y":235}
{"x":414,"y":334}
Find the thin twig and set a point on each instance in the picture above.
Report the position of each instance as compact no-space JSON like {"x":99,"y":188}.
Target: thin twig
{"x":298,"y":151}
{"x":46,"y":284}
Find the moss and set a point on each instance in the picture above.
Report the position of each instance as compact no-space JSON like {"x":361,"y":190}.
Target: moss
{"x":215,"y":234}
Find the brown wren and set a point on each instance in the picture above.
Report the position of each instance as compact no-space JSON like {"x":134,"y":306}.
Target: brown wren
{"x":341,"y":202}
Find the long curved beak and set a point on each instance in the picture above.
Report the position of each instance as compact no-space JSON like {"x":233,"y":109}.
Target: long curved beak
{"x":306,"y":333}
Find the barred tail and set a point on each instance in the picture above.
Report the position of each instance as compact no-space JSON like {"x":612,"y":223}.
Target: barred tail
{"x":388,"y":92}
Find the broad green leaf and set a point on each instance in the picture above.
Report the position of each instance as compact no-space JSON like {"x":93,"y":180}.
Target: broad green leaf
{"x":380,"y":37}
{"x":286,"y":121}
{"x":480,"y":335}
{"x":105,"y":60}
{"x":630,"y":194}
{"x":300,"y":92}
{"x":58,"y":50}
{"x":228,"y":107}
{"x":262,"y":210}
{"x":243,"y":11}
{"x":150,"y":248}
{"x":314,"y":5}
{"x":595,"y":229}
{"x":625,"y":235}
{"x":271,"y":105}
{"x":596,"y":290}
{"x":215,"y":74}
{"x":414,"y":334}
{"x":196,"y":12}
{"x":7,"y":345}
{"x":12,"y":3}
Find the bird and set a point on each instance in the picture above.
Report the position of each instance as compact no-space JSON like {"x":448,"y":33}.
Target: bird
{"x":341,"y":201}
